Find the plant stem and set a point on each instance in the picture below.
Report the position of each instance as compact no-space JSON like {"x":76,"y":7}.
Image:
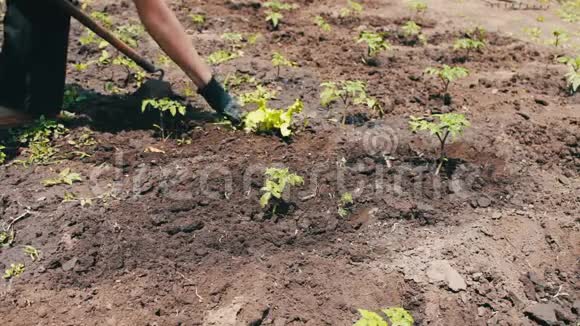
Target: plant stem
{"x":441,"y":150}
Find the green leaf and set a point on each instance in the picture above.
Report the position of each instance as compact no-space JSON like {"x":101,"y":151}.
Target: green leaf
{"x":399,"y":316}
{"x":369,"y":318}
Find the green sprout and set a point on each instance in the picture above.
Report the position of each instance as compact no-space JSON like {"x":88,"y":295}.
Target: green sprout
{"x":15,"y":270}
{"x":418,"y":6}
{"x":32,"y":252}
{"x":164,"y":105}
{"x":66,"y":176}
{"x":2,"y":154}
{"x":344,"y":204}
{"x":277,"y":5}
{"x":133,"y":70}
{"x":376,"y":43}
{"x":274,"y":18}
{"x":570,"y":11}
{"x":448,"y":124}
{"x":198,"y":20}
{"x":447,"y":75}
{"x":276,"y":183}
{"x":236,"y":80}
{"x":322,"y":24}
{"x":39,"y":137}
{"x":234,"y":39}
{"x":468,"y":44}
{"x":349,"y":92}
{"x":6,"y":238}
{"x":353,"y":8}
{"x":397,"y":317}
{"x":130,"y":34}
{"x":411,"y":29}
{"x":560,"y":37}
{"x":534,"y":33}
{"x":221,"y":56}
{"x":102,"y":18}
{"x":573,"y":74}
{"x":278,"y":60}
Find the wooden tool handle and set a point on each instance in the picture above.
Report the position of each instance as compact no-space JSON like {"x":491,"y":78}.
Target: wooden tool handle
{"x":87,"y":21}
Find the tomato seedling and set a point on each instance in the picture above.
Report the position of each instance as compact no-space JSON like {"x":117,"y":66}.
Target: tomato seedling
{"x":277,"y":182}
{"x":350,"y":92}
{"x":164,"y":105}
{"x":443,"y":126}
{"x":413,"y":31}
{"x":375,"y":42}
{"x":278,"y":60}
{"x":274,"y":18}
{"x":447,"y":75}
{"x":573,"y":74}
{"x":468,"y":45}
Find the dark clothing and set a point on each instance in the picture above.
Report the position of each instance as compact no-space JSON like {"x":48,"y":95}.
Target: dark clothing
{"x":33,"y":57}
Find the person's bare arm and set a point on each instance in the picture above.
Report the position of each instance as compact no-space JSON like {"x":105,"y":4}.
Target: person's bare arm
{"x":162,"y":24}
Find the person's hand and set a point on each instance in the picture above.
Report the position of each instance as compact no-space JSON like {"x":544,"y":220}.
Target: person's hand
{"x":221,"y":101}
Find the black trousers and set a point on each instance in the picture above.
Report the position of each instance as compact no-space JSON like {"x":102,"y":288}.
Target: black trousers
{"x":34,"y":55}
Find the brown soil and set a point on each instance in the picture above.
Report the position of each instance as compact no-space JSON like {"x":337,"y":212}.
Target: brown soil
{"x":179,"y":238}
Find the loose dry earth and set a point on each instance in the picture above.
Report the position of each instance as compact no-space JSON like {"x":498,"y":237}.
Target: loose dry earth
{"x":179,"y":238}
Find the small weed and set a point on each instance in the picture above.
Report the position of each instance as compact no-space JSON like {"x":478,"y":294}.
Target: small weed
{"x":570,"y":11}
{"x":322,"y":24}
{"x":418,"y":6}
{"x":397,"y":317}
{"x":66,"y":176}
{"x":278,"y":60}
{"x":468,"y":45}
{"x":31,"y":252}
{"x":353,"y":8}
{"x":274,"y":18}
{"x":344,"y":204}
{"x":198,"y":20}
{"x":560,"y":37}
{"x":236,"y":80}
{"x":2,"y":154}
{"x":15,"y":270}
{"x":221,"y":56}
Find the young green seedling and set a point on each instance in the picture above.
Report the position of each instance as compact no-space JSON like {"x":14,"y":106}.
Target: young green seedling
{"x":396,"y":316}
{"x":130,"y":34}
{"x":350,"y":92}
{"x":13,"y":271}
{"x":274,"y":18}
{"x":39,"y":137}
{"x":376,"y":43}
{"x":468,"y":45}
{"x":344,"y":204}
{"x":234,"y":39}
{"x":278,"y":60}
{"x":534,"y":33}
{"x":442,"y":126}
{"x":447,"y":75}
{"x":412,"y":30}
{"x":164,"y":105}
{"x":221,"y":56}
{"x":32,"y":252}
{"x":560,"y":37}
{"x":322,"y":24}
{"x":66,"y":176}
{"x":276,"y":183}
{"x":277,"y":5}
{"x":198,"y":20}
{"x":573,"y":74}
{"x":353,"y":8}
{"x":6,"y":238}
{"x":236,"y":80}
{"x":570,"y":11}
{"x":258,"y":96}
{"x":2,"y":154}
{"x":133,"y":70}
{"x":418,"y":6}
